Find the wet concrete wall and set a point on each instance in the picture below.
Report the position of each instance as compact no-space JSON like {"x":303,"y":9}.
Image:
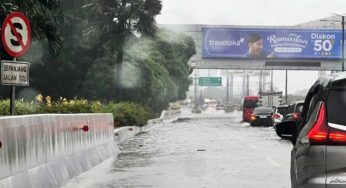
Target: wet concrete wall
{"x":127,"y":132}
{"x":169,"y":114}
{"x":47,"y":150}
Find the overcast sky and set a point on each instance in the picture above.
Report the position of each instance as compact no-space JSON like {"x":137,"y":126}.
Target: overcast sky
{"x":254,"y":12}
{"x":247,"y":12}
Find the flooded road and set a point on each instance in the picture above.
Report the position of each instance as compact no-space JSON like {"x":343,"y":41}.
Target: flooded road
{"x":212,"y":149}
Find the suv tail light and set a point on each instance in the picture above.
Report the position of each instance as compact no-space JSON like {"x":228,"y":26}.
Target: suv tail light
{"x":275,"y":116}
{"x":321,"y":133}
{"x":337,"y":136}
{"x":296,"y":116}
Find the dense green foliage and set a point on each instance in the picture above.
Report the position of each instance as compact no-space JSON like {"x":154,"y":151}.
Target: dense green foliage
{"x":126,"y":114}
{"x":106,"y":50}
{"x":22,"y":108}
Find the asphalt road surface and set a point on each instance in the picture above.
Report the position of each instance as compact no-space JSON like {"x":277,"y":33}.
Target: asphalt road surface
{"x":211,"y":150}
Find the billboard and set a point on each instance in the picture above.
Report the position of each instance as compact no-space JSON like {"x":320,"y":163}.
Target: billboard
{"x":271,"y":43}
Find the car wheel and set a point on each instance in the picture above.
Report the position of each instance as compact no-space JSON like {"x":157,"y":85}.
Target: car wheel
{"x":277,"y":133}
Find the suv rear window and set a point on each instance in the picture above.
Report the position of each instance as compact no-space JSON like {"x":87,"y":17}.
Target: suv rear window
{"x":282,"y":110}
{"x":263,"y":110}
{"x":336,"y":106}
{"x":290,"y":109}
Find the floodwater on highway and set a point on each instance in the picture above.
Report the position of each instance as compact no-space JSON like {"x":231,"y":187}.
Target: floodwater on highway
{"x":212,"y":149}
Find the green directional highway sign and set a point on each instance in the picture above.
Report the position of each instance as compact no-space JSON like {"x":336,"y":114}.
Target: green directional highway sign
{"x":209,"y":81}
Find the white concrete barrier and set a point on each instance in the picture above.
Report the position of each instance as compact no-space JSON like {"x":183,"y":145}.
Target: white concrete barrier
{"x":47,"y":150}
{"x":170,"y":114}
{"x":127,"y":132}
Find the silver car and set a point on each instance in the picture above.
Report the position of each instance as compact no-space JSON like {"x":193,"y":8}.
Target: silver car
{"x":318,"y":157}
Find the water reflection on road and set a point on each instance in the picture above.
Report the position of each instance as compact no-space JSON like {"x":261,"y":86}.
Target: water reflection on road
{"x":212,"y":149}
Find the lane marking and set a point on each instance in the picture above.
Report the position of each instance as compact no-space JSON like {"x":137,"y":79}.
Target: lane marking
{"x":271,"y":161}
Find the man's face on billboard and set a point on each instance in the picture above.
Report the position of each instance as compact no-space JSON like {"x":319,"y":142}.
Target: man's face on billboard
{"x":255,"y":48}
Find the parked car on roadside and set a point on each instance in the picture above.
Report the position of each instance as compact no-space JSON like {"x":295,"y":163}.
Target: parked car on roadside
{"x":279,"y":113}
{"x":262,"y":116}
{"x":319,"y":141}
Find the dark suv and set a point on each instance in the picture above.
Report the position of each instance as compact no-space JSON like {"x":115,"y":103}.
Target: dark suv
{"x":293,"y":112}
{"x":319,"y":142}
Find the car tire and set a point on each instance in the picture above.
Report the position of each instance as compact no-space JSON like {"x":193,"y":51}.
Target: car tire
{"x":276,"y":131}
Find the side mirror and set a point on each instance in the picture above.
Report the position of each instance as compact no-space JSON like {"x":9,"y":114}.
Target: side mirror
{"x":287,"y":130}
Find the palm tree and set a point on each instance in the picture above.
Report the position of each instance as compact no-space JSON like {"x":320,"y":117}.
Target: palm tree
{"x":44,"y":16}
{"x":114,"y":22}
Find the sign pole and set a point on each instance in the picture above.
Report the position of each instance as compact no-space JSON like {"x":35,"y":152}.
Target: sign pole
{"x":13,"y":97}
{"x":15,"y":39}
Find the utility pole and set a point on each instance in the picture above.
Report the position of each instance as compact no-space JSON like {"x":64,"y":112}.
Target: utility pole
{"x":271,"y":98}
{"x":244,"y":85}
{"x":195,"y":91}
{"x":227,"y":91}
{"x":264,"y":83}
{"x":247,"y":84}
{"x":231,"y":87}
{"x":271,"y":81}
{"x":260,"y":81}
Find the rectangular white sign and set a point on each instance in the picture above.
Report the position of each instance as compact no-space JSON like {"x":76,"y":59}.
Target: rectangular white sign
{"x":15,"y":73}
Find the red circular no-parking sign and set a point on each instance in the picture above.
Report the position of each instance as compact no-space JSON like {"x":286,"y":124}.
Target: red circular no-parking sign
{"x":16,"y":34}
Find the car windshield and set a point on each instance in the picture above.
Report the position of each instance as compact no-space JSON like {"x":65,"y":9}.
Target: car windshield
{"x":336,"y":106}
{"x":263,"y":110}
